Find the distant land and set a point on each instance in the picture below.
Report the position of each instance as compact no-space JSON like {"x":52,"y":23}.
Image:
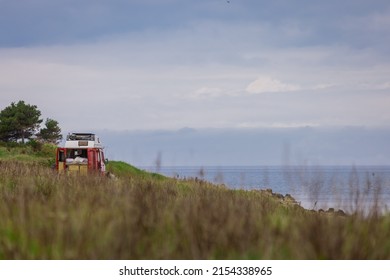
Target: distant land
{"x":252,"y":146}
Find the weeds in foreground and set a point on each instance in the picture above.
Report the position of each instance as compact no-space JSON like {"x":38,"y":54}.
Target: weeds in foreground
{"x":46,"y":216}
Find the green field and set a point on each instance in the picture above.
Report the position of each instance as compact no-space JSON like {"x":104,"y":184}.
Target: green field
{"x":139,"y":215}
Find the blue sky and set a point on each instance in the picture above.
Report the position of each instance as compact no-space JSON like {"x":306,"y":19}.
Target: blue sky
{"x":169,"y":64}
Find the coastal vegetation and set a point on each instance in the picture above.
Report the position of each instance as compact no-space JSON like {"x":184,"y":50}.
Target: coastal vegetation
{"x":20,"y":122}
{"x":141,"y":215}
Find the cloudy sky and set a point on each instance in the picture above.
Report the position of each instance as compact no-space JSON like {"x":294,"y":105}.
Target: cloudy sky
{"x":168,"y":64}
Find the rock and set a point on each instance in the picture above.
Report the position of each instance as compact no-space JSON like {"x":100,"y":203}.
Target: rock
{"x":340,"y":212}
{"x":278,"y":195}
{"x":290,"y":198}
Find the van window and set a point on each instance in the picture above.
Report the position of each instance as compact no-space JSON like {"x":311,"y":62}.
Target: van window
{"x":73,"y":153}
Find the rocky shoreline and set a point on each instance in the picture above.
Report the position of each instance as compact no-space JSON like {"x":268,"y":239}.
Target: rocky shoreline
{"x":290,"y":200}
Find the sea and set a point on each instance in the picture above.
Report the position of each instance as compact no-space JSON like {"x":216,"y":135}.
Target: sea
{"x":348,"y":188}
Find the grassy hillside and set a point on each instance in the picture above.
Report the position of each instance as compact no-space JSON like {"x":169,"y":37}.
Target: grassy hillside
{"x":124,"y":170}
{"x":33,"y":152}
{"x":140,"y":215}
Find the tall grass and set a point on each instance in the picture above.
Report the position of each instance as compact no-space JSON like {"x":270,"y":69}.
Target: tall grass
{"x":357,"y":192}
{"x":46,"y":216}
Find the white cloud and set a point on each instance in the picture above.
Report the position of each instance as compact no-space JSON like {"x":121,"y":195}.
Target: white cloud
{"x":277,"y":124}
{"x":206,"y":92}
{"x":383,"y":86}
{"x":267,"y":84}
{"x":323,"y":86}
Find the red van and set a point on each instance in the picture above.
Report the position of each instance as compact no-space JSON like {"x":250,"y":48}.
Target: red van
{"x":82,"y":154}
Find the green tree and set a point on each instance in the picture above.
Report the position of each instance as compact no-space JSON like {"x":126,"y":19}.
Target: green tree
{"x":51,"y":133}
{"x":19,"y":121}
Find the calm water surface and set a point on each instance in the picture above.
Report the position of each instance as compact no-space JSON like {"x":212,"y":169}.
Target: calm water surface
{"x":315,"y":187}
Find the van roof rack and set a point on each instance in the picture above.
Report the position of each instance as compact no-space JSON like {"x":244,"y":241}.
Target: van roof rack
{"x":81,"y":136}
